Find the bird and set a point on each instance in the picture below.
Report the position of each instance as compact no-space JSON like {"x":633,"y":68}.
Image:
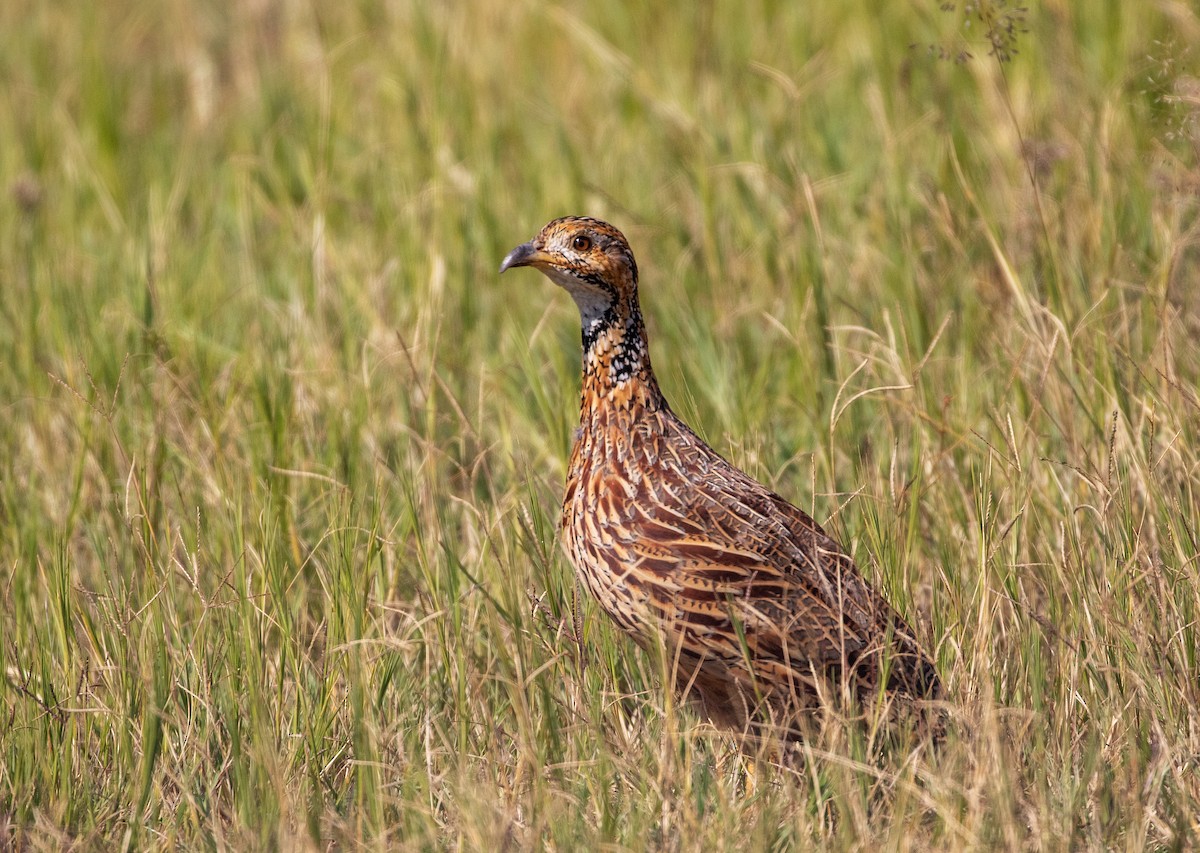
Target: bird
{"x":764,"y":618}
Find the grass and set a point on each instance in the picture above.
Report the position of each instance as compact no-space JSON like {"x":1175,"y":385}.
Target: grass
{"x":282,"y":456}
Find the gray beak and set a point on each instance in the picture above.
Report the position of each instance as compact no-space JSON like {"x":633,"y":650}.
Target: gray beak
{"x":525,"y":255}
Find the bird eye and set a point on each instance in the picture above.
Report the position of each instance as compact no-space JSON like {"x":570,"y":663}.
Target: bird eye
{"x":581,"y":243}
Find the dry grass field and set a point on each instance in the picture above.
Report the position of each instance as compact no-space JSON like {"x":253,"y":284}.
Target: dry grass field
{"x":281,"y":455}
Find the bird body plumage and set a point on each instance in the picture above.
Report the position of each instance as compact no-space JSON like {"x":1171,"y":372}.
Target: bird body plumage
{"x":764,"y":616}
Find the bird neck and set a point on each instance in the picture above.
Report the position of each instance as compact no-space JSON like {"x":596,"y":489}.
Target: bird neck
{"x":616,"y":363}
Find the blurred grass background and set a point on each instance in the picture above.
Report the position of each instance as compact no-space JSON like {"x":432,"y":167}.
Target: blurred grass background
{"x":282,"y":456}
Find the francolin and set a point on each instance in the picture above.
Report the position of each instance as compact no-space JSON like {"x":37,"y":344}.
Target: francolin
{"x":763,"y":617}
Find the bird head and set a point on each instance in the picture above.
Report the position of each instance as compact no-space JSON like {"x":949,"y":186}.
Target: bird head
{"x":588,"y":258}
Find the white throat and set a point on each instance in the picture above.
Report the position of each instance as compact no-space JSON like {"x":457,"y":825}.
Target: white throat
{"x":593,"y":302}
